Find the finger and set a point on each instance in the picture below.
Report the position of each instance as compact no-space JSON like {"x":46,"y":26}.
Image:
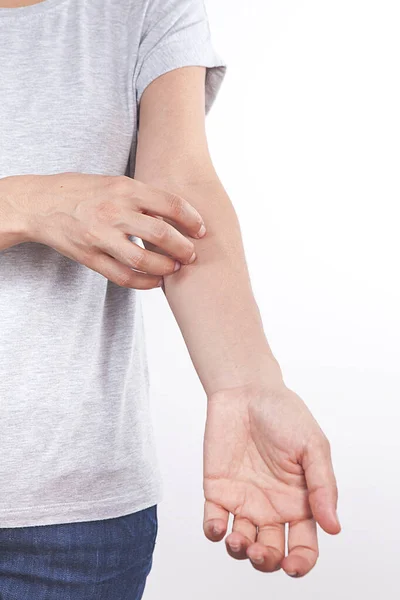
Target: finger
{"x":302,"y":548}
{"x":120,"y":274}
{"x":267,"y":553}
{"x":117,"y":245}
{"x":159,"y":233}
{"x":244,"y":533}
{"x":321,"y":484}
{"x":215,"y":521}
{"x":167,"y":204}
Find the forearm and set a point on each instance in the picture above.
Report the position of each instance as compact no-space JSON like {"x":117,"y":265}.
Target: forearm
{"x":213,"y":302}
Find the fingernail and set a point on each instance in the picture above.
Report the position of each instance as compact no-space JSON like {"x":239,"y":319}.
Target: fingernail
{"x":258,"y":560}
{"x":202,"y":231}
{"x":193,"y":258}
{"x":294,"y":574}
{"x":177,"y":266}
{"x":234,"y":547}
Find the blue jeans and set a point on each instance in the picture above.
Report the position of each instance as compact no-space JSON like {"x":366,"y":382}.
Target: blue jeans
{"x":92,"y":560}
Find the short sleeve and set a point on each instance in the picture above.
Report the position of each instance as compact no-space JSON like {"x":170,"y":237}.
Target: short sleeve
{"x":176,"y":34}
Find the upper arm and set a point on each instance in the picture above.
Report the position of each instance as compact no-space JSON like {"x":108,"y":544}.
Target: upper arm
{"x":177,"y":77}
{"x":172,"y":141}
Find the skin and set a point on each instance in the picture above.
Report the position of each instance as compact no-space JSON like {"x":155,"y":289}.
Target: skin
{"x":18,"y":3}
{"x":266,"y":460}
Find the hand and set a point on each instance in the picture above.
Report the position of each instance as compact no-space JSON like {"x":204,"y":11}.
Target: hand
{"x":267,"y":461}
{"x":88,"y":218}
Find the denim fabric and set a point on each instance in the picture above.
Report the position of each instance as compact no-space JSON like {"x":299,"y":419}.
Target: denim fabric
{"x":92,"y":560}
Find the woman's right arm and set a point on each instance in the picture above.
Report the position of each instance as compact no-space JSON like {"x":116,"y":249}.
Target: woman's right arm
{"x":88,"y":218}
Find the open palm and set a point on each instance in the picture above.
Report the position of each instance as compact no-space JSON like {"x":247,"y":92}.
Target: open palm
{"x":267,"y":461}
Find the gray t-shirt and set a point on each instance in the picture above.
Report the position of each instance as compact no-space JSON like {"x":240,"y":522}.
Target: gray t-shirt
{"x":76,"y":440}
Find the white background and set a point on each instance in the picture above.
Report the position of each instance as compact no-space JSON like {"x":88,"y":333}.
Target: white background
{"x":305,"y":136}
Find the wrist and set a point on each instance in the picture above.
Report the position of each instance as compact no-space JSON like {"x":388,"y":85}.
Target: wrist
{"x":14,"y":223}
{"x":13,"y":231}
{"x":267,"y":375}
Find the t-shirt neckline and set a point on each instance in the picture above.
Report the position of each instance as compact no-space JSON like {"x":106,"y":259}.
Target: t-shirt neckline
{"x":29,"y":10}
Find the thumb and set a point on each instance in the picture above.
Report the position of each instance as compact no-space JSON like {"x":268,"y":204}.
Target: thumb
{"x":321,"y":483}
{"x":215,"y":521}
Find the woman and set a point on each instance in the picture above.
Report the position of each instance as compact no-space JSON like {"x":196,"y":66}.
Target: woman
{"x":102,"y":110}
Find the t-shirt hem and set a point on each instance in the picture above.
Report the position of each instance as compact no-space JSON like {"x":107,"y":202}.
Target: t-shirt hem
{"x":75,"y":512}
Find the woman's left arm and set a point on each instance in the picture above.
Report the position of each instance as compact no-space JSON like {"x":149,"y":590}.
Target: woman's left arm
{"x":266,"y":460}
